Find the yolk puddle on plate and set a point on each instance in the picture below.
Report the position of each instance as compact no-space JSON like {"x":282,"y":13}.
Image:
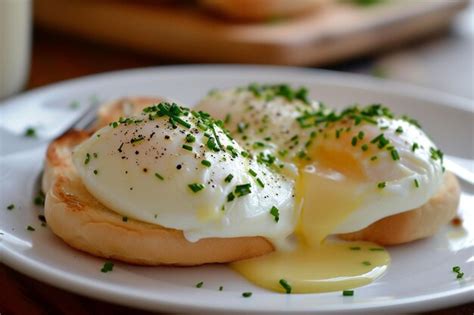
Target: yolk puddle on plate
{"x":330,"y":267}
{"x":317,"y":265}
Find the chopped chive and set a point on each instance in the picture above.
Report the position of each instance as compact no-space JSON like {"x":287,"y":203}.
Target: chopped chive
{"x":381,"y":185}
{"x":159,"y":176}
{"x":456,"y":269}
{"x":199,"y":284}
{"x":230,"y":197}
{"x":190,"y":138}
{"x":242,"y":190}
{"x":252,"y":172}
{"x":364,"y":147}
{"x":137,"y":139}
{"x":275,"y":213}
{"x":227,"y":118}
{"x":11,"y":207}
{"x":395,"y":155}
{"x":87,"y":159}
{"x":460,"y":275}
{"x":247,"y":294}
{"x":373,"y":158}
{"x":360,"y":135}
{"x":376,"y":249}
{"x":228,"y":178}
{"x":258,"y":144}
{"x":399,"y":130}
{"x":366,"y":263}
{"x":96,"y":172}
{"x":187,"y":147}
{"x":348,"y":293}
{"x":414,"y":147}
{"x":354,"y":141}
{"x":30,"y":132}
{"x":221,"y":288}
{"x":206,"y":163}
{"x":416,"y":183}
{"x":108,"y":266}
{"x":30,"y":228}
{"x":354,"y":248}
{"x":285,"y":285}
{"x":95,"y":155}
{"x":260,"y":183}
{"x":124,"y":219}
{"x":196,"y":187}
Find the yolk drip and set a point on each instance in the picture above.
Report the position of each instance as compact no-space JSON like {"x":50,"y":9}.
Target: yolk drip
{"x":330,"y":267}
{"x":329,"y":191}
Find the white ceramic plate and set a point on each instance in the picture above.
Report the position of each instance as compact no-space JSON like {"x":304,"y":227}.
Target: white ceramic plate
{"x":420,"y":277}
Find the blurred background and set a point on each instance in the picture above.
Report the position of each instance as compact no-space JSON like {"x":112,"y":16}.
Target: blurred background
{"x":424,"y":42}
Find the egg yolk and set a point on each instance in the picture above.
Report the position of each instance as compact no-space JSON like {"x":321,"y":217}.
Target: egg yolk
{"x":328,"y":190}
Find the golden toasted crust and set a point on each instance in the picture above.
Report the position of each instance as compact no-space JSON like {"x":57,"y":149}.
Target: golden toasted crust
{"x":124,"y":107}
{"x":414,"y":224}
{"x":58,"y":156}
{"x":260,"y":9}
{"x":84,"y":223}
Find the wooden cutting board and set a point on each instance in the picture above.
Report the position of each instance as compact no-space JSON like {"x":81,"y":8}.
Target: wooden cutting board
{"x":335,"y":32}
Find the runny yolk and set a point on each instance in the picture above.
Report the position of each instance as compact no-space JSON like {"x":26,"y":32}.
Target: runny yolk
{"x":329,"y":192}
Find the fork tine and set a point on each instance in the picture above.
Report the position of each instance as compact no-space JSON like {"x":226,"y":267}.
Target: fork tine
{"x":86,"y":120}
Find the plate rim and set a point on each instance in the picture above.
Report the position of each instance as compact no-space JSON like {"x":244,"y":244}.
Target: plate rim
{"x":38,"y":271}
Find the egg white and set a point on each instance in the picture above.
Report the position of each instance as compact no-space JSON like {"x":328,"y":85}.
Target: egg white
{"x":275,"y":122}
{"x":149,"y":180}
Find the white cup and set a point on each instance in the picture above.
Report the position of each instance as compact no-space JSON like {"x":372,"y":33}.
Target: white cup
{"x":15,"y":44}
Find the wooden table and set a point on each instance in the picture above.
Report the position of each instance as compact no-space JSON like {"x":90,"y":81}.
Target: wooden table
{"x":56,"y":58}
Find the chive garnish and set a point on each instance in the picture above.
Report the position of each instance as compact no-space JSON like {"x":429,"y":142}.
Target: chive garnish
{"x":399,"y":130}
{"x":366,"y":263}
{"x":275,"y":213}
{"x":187,"y":147}
{"x":458,"y":272}
{"x":221,"y":288}
{"x":199,"y":284}
{"x":285,"y":285}
{"x":39,"y":199}
{"x":230,"y":197}
{"x":247,"y":294}
{"x":414,"y":147}
{"x":360,"y":135}
{"x":381,"y":185}
{"x":30,"y":228}
{"x":190,"y":138}
{"x":348,"y":293}
{"x":87,"y":159}
{"x":206,"y":163}
{"x":196,"y":187}
{"x":159,"y":176}
{"x":30,"y":132}
{"x":11,"y":207}
{"x":242,"y":190}
{"x":376,"y":249}
{"x":395,"y":155}
{"x":124,"y":219}
{"x":354,"y":141}
{"x":364,"y":147}
{"x":260,"y":183}
{"x":416,"y":183}
{"x":373,"y":158}
{"x":108,"y":266}
{"x":96,"y":172}
{"x":228,"y":178}
{"x":252,"y":172}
